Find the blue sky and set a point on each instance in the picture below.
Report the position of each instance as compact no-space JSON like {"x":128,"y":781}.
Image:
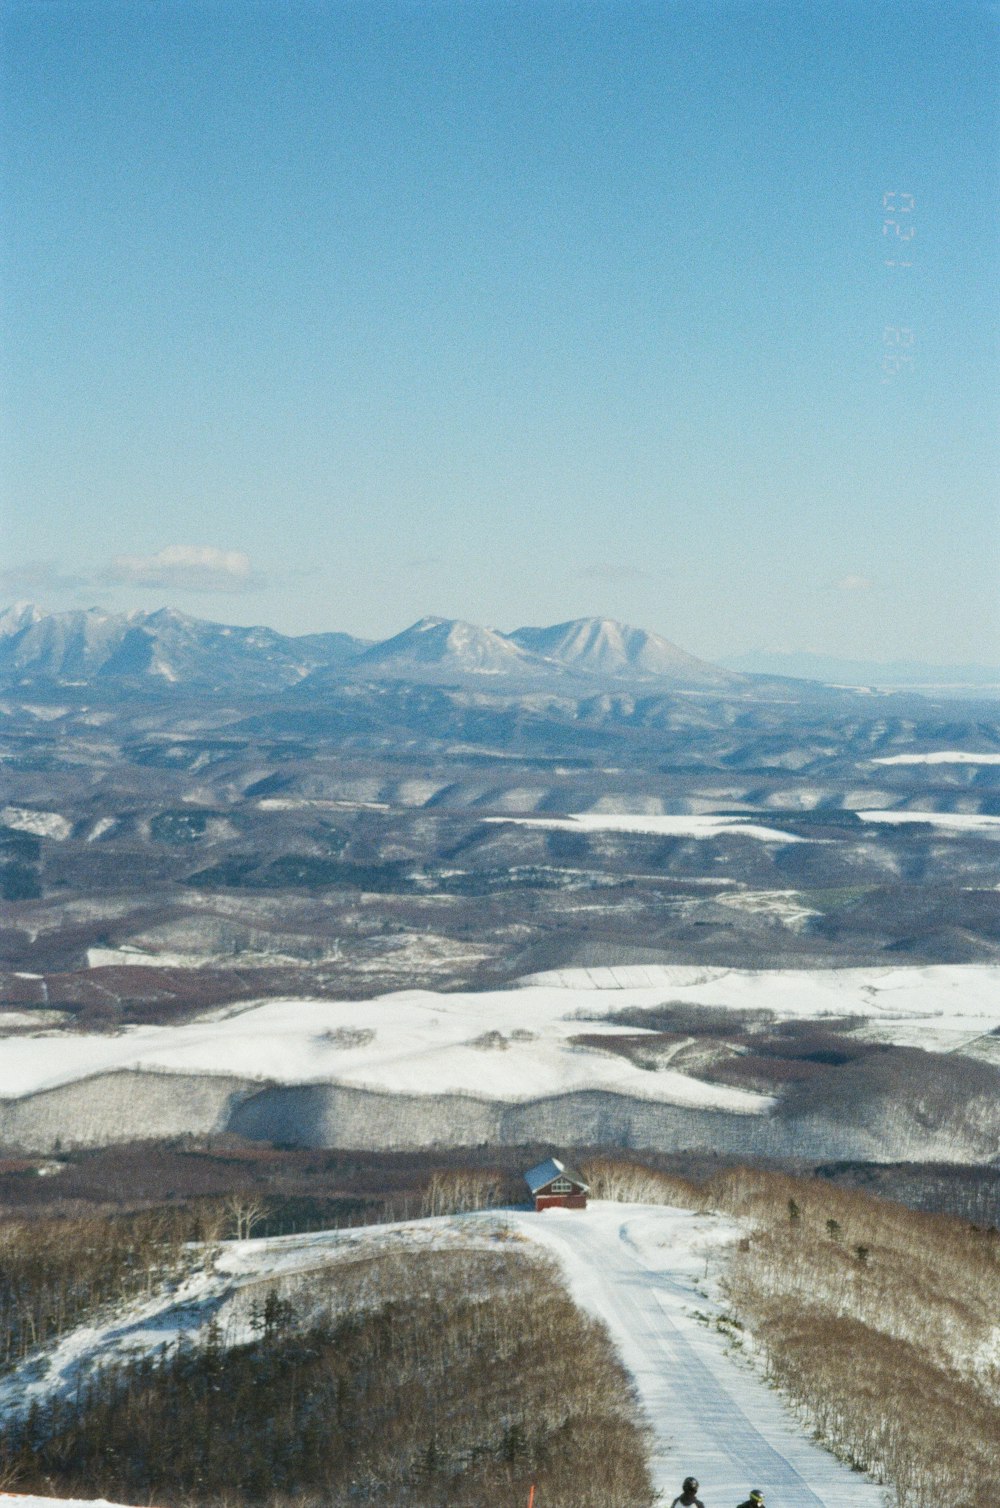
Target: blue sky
{"x":330,"y":315}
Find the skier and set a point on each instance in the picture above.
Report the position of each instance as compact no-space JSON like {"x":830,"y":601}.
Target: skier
{"x":755,"y":1500}
{"x":689,"y":1495}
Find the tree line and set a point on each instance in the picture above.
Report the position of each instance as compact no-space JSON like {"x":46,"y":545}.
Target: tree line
{"x":54,"y":1273}
{"x":464,"y":1377}
{"x":877,"y":1321}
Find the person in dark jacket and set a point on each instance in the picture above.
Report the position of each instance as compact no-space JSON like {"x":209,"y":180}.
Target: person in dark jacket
{"x":755,"y":1500}
{"x":689,"y":1495}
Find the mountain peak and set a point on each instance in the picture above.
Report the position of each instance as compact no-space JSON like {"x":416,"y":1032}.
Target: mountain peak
{"x":452,"y":646}
{"x":20,"y":615}
{"x":604,"y":647}
{"x":169,"y":646}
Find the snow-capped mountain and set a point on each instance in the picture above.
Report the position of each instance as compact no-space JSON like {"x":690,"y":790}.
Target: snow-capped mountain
{"x":165,"y":647}
{"x":615,"y":651}
{"x":169,"y":648}
{"x":70,"y":646}
{"x":450,"y":646}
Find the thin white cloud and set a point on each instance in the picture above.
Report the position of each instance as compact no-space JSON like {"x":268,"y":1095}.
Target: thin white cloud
{"x":38,"y":578}
{"x":855,"y":584}
{"x":188,"y":568}
{"x":615,"y":574}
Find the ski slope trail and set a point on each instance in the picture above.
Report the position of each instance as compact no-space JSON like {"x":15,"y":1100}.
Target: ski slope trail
{"x":636,"y":1268}
{"x":642,"y":1269}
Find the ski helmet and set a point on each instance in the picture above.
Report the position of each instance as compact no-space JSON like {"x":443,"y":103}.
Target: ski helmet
{"x":690,"y":1484}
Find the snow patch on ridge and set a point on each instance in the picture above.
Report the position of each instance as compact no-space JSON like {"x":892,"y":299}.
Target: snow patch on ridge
{"x":42,"y":824}
{"x":968,"y":821}
{"x":672,"y":825}
{"x":941,"y":756}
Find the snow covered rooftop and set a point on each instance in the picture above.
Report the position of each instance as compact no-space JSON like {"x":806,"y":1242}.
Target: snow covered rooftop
{"x":545,"y":1172}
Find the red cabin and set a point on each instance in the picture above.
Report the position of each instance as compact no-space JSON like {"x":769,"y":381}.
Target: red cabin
{"x":554,"y":1185}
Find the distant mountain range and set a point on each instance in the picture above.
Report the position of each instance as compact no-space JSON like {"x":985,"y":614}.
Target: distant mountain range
{"x":170,"y":648}
{"x":889,"y":674}
{"x":166,"y":646}
{"x":602,"y":647}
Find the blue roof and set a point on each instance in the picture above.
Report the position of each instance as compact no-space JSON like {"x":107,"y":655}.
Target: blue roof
{"x":537,"y":1178}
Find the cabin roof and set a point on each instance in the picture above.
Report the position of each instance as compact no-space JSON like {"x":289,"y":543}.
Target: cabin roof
{"x":545,"y":1172}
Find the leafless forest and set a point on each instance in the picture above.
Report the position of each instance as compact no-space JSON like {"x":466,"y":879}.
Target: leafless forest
{"x":878,"y":1322}
{"x":457,"y":1377}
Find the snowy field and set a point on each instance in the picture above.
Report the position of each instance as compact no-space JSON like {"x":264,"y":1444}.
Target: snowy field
{"x":707,"y":826}
{"x":42,"y":824}
{"x":19,"y":1500}
{"x":957,"y":821}
{"x":515,"y":1044}
{"x":941,"y":756}
{"x":662,"y":825}
{"x":649,"y":1272}
{"x":504,"y":1044}
{"x":646,"y":1271}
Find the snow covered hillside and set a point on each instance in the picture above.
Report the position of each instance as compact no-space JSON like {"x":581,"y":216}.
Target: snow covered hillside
{"x":549,"y":1060}
{"x":643,"y":1270}
{"x":23,"y":1500}
{"x":697,"y":825}
{"x":511,"y":1044}
{"x":508,"y":1044}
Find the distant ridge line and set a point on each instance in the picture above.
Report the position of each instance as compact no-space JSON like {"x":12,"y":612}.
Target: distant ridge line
{"x":170,"y":648}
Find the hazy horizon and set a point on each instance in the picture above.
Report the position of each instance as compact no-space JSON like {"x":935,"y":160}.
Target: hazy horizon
{"x":325,"y":317}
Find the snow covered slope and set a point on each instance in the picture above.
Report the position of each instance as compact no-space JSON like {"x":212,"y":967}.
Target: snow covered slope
{"x":510,"y":1044}
{"x":641,"y":1269}
{"x":941,"y":756}
{"x":505,"y":1044}
{"x":956,"y":821}
{"x":604,"y":647}
{"x":450,"y":646}
{"x":664,"y":825}
{"x":508,"y":1066}
{"x":19,"y":1500}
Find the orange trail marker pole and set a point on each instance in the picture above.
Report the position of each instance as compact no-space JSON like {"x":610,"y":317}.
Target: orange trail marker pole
{"x":531,"y":1496}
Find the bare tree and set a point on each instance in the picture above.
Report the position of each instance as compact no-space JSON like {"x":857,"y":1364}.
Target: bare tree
{"x":246,"y":1212}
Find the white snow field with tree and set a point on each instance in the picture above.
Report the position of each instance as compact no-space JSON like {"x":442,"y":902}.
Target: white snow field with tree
{"x":750,"y":1326}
